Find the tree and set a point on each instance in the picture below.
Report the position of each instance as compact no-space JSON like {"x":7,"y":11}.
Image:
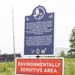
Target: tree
{"x":62,"y":54}
{"x":0,"y":52}
{"x":72,"y":43}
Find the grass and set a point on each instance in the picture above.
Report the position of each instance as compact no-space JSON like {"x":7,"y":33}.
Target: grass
{"x":7,"y":68}
{"x":6,"y":74}
{"x":69,"y":66}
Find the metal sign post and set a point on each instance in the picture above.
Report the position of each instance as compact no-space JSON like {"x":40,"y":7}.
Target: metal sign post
{"x":13,"y":33}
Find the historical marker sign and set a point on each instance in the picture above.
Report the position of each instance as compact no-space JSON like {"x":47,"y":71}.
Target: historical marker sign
{"x":48,"y":66}
{"x":39,"y":33}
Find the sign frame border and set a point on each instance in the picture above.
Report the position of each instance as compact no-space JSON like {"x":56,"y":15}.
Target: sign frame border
{"x":40,"y":58}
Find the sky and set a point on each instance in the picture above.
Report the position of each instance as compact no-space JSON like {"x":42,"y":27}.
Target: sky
{"x":64,"y":11}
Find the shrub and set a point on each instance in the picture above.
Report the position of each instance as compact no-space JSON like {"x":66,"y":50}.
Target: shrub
{"x":3,"y":67}
{"x":7,"y":67}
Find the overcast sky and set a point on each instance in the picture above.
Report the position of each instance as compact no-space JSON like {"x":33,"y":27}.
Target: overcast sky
{"x":64,"y":21}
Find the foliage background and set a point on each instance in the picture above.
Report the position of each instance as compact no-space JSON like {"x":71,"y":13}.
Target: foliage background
{"x":7,"y":68}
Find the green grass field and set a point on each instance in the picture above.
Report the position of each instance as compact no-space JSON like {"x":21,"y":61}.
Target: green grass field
{"x":8,"y":68}
{"x":69,"y":66}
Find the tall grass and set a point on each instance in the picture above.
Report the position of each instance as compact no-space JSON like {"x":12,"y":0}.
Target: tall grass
{"x":7,"y":68}
{"x":69,"y":66}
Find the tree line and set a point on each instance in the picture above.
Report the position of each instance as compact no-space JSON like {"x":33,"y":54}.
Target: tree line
{"x":71,"y":52}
